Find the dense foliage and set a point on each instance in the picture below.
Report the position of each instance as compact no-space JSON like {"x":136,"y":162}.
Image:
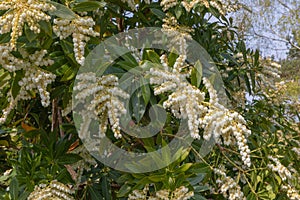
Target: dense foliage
{"x":43,"y":44}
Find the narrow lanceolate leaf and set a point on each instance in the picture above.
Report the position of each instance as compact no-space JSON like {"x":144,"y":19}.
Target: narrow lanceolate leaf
{"x":14,"y":189}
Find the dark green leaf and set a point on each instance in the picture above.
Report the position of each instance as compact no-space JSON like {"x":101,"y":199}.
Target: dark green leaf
{"x":105,"y":185}
{"x":15,"y":85}
{"x":14,"y":189}
{"x":69,"y":158}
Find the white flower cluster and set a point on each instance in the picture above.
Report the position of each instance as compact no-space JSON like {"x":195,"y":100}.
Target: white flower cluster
{"x":81,"y":28}
{"x":223,"y":6}
{"x":177,"y":36}
{"x":9,"y":61}
{"x":184,"y":100}
{"x":296,"y":150}
{"x":229,"y":187}
{"x":188,"y":102}
{"x":189,"y":5}
{"x":106,"y":104}
{"x":55,"y":190}
{"x":283,"y":172}
{"x":167,"y":4}
{"x":35,"y":79}
{"x":181,"y":193}
{"x":219,"y":121}
{"x":292,"y":193}
{"x":21,"y":11}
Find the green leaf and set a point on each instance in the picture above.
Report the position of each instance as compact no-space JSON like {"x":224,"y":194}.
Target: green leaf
{"x":145,"y":92}
{"x":124,"y":190}
{"x":15,"y":85}
{"x":105,"y":186}
{"x":4,"y":38}
{"x":24,"y":195}
{"x":94,"y":193}
{"x":46,"y":27}
{"x":201,"y":188}
{"x":88,"y":6}
{"x":62,"y":11}
{"x":172,"y":57}
{"x":198,"y":197}
{"x":69,"y":74}
{"x":153,"y":56}
{"x":184,"y":167}
{"x":196,"y":76}
{"x":157,"y":178}
{"x":196,"y":180}
{"x":30,"y":35}
{"x":158,"y":13}
{"x":14,"y":189}
{"x":69,"y":158}
{"x":166,"y":152}
{"x":178,"y":11}
{"x":138,"y":104}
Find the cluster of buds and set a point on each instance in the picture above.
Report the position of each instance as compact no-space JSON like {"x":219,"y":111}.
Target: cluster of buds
{"x":188,"y":102}
{"x":105,"y":104}
{"x":292,"y":192}
{"x":35,"y":79}
{"x":190,"y":5}
{"x":177,"y":35}
{"x":184,"y":99}
{"x":181,"y":193}
{"x":55,"y":190}
{"x":229,"y":187}
{"x":223,"y":6}
{"x":283,"y":172}
{"x":21,"y":12}
{"x":167,"y":4}
{"x":81,"y":28}
{"x":219,"y":121}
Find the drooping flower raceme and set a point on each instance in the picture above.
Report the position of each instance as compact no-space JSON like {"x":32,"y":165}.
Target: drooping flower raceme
{"x":219,"y":121}
{"x":188,"y":102}
{"x":283,"y":172}
{"x":55,"y":190}
{"x":20,"y":12}
{"x":105,"y":104}
{"x":229,"y":187}
{"x":81,"y":28}
{"x":178,"y":35}
{"x":35,"y":79}
{"x":223,"y":6}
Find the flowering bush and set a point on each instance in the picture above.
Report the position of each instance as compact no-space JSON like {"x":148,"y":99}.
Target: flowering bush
{"x":242,"y":124}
